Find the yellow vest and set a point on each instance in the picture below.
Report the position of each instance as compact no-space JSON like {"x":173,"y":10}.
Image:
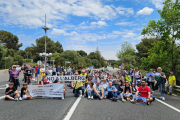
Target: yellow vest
{"x":171,"y":78}
{"x":85,"y":76}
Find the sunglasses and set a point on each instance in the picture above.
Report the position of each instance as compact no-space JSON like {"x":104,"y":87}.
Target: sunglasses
{"x":14,"y":67}
{"x":142,"y":82}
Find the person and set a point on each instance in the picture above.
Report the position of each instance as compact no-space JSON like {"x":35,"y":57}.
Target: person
{"x":24,"y":93}
{"x":150,"y":79}
{"x":117,"y":85}
{"x":69,"y":70}
{"x":137,"y":76}
{"x":11,"y":93}
{"x":130,"y":73}
{"x":49,"y":72}
{"x":145,"y":95}
{"x":112,"y":92}
{"x":42,"y":71}
{"x":43,"y":81}
{"x":32,"y":71}
{"x":98,"y":91}
{"x":128,"y":77}
{"x":25,"y":68}
{"x":95,"y":79}
{"x":160,"y":78}
{"x":28,"y":75}
{"x":74,"y":70}
{"x":36,"y":72}
{"x":78,"y":86}
{"x":14,"y":74}
{"x":122,"y":85}
{"x":89,"y":91}
{"x":54,"y":70}
{"x":171,"y":83}
{"x":9,"y":73}
{"x":127,"y":92}
{"x":64,"y":90}
{"x":58,"y":70}
{"x":86,"y":79}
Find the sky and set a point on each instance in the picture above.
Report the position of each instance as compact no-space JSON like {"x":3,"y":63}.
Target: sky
{"x":80,"y":24}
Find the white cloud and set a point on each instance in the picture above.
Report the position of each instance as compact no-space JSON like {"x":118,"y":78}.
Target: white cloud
{"x":124,"y":23}
{"x":129,"y":35}
{"x":124,"y":11}
{"x":100,"y":23}
{"x":145,"y":11}
{"x":158,"y":3}
{"x":56,"y":31}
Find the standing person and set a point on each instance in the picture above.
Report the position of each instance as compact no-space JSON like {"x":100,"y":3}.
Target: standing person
{"x":42,"y":71}
{"x":25,"y":68}
{"x":74,"y":70}
{"x":160,"y":78}
{"x":150,"y":79}
{"x":36,"y":75}
{"x":49,"y":72}
{"x":171,"y":83}
{"x":9,"y":73}
{"x":14,"y":74}
{"x":78,"y":86}
{"x":54,"y":70}
{"x":130,"y":73}
{"x":32,"y":71}
{"x":58,"y":70}
{"x":28,"y":75}
{"x":69,"y":70}
{"x":145,"y":94}
{"x":137,"y":76}
{"x":11,"y":93}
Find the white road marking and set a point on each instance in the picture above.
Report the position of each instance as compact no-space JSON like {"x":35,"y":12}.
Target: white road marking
{"x":168,"y":105}
{"x":69,"y":114}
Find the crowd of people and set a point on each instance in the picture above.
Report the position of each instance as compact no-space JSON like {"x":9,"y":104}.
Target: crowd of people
{"x":126,"y":85}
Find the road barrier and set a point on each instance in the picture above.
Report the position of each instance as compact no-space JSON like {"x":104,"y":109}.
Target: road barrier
{"x":177,"y":88}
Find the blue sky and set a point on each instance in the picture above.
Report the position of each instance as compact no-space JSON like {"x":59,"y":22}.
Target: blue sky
{"x":80,"y":24}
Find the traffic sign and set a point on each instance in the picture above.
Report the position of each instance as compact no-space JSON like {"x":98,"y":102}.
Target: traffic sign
{"x":123,"y":65}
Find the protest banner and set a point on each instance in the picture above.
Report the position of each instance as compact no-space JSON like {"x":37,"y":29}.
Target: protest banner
{"x":150,"y":74}
{"x":66,"y":78}
{"x":49,"y":90}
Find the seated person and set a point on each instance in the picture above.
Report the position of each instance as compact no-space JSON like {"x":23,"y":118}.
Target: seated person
{"x":11,"y":93}
{"x":127,"y":92}
{"x":112,"y":92}
{"x":95,"y":79}
{"x":89,"y":91}
{"x":128,"y":77}
{"x":145,"y":95}
{"x":150,"y":91}
{"x":122,"y":84}
{"x":24,"y":93}
{"x":134,"y":90}
{"x":98,"y":91}
{"x":43,"y":81}
{"x":105,"y":84}
{"x":117,"y":85}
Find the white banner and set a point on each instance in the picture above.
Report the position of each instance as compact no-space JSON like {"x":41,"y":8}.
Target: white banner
{"x":49,"y":90}
{"x":66,"y":78}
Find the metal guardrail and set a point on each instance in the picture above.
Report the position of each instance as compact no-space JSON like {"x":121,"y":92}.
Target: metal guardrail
{"x":177,"y":88}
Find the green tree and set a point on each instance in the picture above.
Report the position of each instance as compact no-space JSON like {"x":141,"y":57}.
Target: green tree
{"x":82,"y":53}
{"x":167,"y":30}
{"x":9,"y":40}
{"x":127,"y":55}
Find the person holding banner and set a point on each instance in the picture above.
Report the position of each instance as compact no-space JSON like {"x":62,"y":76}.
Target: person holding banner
{"x":24,"y":93}
{"x":78,"y":86}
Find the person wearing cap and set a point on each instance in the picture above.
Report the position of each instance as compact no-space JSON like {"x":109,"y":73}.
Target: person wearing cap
{"x":171,"y":83}
{"x":160,"y":78}
{"x":11,"y":93}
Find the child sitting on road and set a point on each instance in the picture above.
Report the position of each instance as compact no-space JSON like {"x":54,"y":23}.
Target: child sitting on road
{"x":24,"y":93}
{"x":11,"y":93}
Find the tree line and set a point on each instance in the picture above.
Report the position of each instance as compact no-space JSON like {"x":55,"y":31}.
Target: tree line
{"x":160,"y":47}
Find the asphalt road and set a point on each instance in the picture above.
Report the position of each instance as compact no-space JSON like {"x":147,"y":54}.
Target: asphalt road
{"x":56,"y":109}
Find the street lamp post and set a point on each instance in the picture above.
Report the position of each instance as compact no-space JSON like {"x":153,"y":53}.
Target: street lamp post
{"x":45,"y":29}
